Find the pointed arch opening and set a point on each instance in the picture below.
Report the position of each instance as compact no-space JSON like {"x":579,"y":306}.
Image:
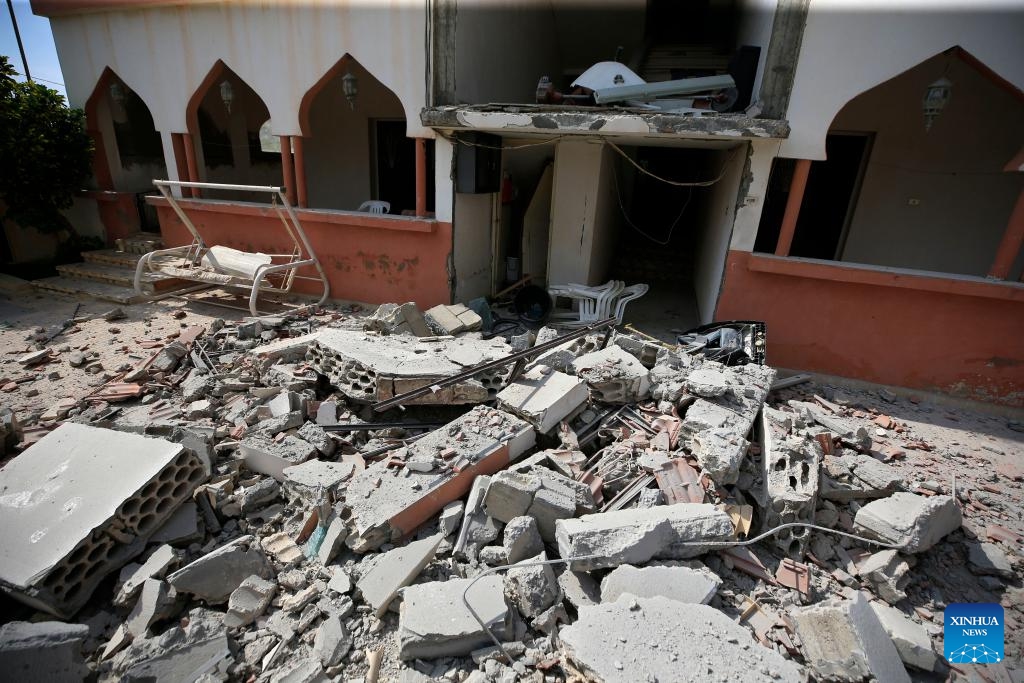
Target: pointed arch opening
{"x":225,"y":118}
{"x":356,"y":147}
{"x":129,"y":151}
{"x":903,"y":189}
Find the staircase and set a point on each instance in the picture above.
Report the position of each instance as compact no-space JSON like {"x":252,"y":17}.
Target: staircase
{"x":109,"y":274}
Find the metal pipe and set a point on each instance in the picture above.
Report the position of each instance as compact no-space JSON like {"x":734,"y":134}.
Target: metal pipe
{"x":484,"y":367}
{"x":649,"y":91}
{"x":217,"y":186}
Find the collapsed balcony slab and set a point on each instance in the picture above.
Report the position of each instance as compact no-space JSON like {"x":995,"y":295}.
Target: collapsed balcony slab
{"x":79,"y":504}
{"x":369,"y":368}
{"x":389,"y":501}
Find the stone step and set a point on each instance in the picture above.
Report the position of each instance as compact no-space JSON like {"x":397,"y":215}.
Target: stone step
{"x":140,"y":243}
{"x":119,"y":275}
{"x":112,"y":257}
{"x":96,"y":290}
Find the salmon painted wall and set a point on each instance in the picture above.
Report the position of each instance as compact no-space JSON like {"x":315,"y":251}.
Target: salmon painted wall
{"x":368,"y":259}
{"x":958,"y":336}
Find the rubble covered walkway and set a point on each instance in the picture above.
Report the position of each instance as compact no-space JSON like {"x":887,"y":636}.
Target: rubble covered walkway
{"x":185,"y":497}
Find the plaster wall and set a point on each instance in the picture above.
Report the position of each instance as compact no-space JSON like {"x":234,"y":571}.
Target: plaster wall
{"x":473,"y":225}
{"x":944,"y":188}
{"x":280,"y":49}
{"x":849,"y":48}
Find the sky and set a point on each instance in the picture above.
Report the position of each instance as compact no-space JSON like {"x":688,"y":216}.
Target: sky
{"x":38,"y":40}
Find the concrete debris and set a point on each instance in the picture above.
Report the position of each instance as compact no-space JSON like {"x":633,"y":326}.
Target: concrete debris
{"x":657,"y":639}
{"x":910,"y":638}
{"x":614,"y":376}
{"x":522,"y":539}
{"x":279,"y":522}
{"x":214,"y":576}
{"x":679,"y":583}
{"x":666,"y":532}
{"x":422,"y":635}
{"x":533,"y":588}
{"x":914,"y":522}
{"x":112,"y":490}
{"x":393,"y":570}
{"x":249,"y":601}
{"x":843,"y":640}
{"x":544,"y":398}
{"x":44,"y":651}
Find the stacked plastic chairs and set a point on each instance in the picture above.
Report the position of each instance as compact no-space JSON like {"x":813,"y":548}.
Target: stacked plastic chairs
{"x":593,"y":303}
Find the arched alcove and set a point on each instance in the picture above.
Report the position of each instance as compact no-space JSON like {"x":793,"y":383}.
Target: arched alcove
{"x":356,"y":150}
{"x":225,"y":116}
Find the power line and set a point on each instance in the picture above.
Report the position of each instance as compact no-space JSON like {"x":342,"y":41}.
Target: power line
{"x":17,"y":36}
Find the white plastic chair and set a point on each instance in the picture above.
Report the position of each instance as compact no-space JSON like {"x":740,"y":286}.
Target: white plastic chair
{"x":375,"y":206}
{"x":593,"y":303}
{"x":628,"y":294}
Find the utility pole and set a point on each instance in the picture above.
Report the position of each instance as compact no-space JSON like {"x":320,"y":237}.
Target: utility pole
{"x":17,"y":36}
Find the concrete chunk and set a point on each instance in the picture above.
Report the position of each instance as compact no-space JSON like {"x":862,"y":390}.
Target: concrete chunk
{"x":156,"y":566}
{"x":614,"y":375}
{"x":317,"y":437}
{"x":657,"y":639}
{"x":332,"y":641}
{"x":283,"y":548}
{"x":845,"y":642}
{"x":720,"y":452}
{"x":533,"y":588}
{"x":156,"y":601}
{"x":522,"y":539}
{"x":308,"y":480}
{"x":911,"y":640}
{"x":435,"y":623}
{"x":914,"y":522}
{"x":249,"y":601}
{"x":888,"y":574}
{"x":395,"y":569}
{"x":675,"y":583}
{"x":80,"y":504}
{"x":987,"y":558}
{"x":544,"y":398}
{"x":214,"y":576}
{"x":638,"y":535}
{"x":47,"y":651}
{"x":267,"y":456}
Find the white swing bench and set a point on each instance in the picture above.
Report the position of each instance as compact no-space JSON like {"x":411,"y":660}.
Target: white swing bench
{"x":220,"y":266}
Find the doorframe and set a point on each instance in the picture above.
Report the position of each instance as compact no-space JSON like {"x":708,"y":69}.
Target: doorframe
{"x":862,"y":170}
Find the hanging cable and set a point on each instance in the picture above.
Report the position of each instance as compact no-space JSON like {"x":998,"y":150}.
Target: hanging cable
{"x":622,"y":208}
{"x":457,"y":140}
{"x":700,"y":183}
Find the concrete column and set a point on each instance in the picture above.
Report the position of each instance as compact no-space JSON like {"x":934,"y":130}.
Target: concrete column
{"x":300,"y":172}
{"x":421,"y":177}
{"x":444,"y":188}
{"x":288,"y":168}
{"x":174,"y":159}
{"x":793,"y":204}
{"x":1013,"y":239}
{"x":190,"y":160}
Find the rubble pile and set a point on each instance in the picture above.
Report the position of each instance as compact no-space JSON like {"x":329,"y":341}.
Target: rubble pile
{"x":235,"y":508}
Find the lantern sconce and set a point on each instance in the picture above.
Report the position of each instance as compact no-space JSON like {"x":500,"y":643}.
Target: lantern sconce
{"x":936,"y":97}
{"x":117,"y":93}
{"x":227,"y":93}
{"x":350,"y":86}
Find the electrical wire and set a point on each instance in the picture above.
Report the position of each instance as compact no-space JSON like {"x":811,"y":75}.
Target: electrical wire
{"x":622,"y":208}
{"x":457,"y":140}
{"x":676,"y":183}
{"x":703,"y":544}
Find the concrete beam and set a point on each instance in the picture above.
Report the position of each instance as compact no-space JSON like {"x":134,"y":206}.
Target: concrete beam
{"x":783,"y":54}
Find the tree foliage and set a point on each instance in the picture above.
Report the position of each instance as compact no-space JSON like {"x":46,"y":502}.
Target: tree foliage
{"x":45,"y":153}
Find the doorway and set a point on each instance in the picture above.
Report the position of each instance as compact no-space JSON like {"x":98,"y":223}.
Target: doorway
{"x":394,"y":159}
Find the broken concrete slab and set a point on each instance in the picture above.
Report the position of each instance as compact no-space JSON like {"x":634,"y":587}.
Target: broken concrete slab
{"x":522,"y":539}
{"x":48,"y":651}
{"x":368,"y":368}
{"x":387,"y":504}
{"x":258,"y":495}
{"x":537,"y":492}
{"x":155,"y":566}
{"x":332,"y":641}
{"x":394,"y":570}
{"x":334,"y":537}
{"x":315,"y":435}
{"x":914,"y":522}
{"x":308,"y":480}
{"x":249,"y":601}
{"x":450,"y":518}
{"x":682,"y":584}
{"x":111,"y":489}
{"x":265,"y":455}
{"x":283,"y":548}
{"x":988,"y":559}
{"x":532,"y":589}
{"x":214,"y":576}
{"x":719,"y":453}
{"x":844,"y":641}
{"x":614,"y":376}
{"x":422,"y":635}
{"x":648,"y":639}
{"x":888,"y":574}
{"x":910,"y":638}
{"x":544,"y":397}
{"x":634,"y":536}
{"x":157,"y":601}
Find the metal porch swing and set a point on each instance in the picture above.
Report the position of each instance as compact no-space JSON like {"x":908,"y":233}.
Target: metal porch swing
{"x":219,"y":266}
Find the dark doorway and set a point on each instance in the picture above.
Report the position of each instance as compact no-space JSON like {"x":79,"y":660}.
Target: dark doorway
{"x":395,"y":162}
{"x":830,"y":197}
